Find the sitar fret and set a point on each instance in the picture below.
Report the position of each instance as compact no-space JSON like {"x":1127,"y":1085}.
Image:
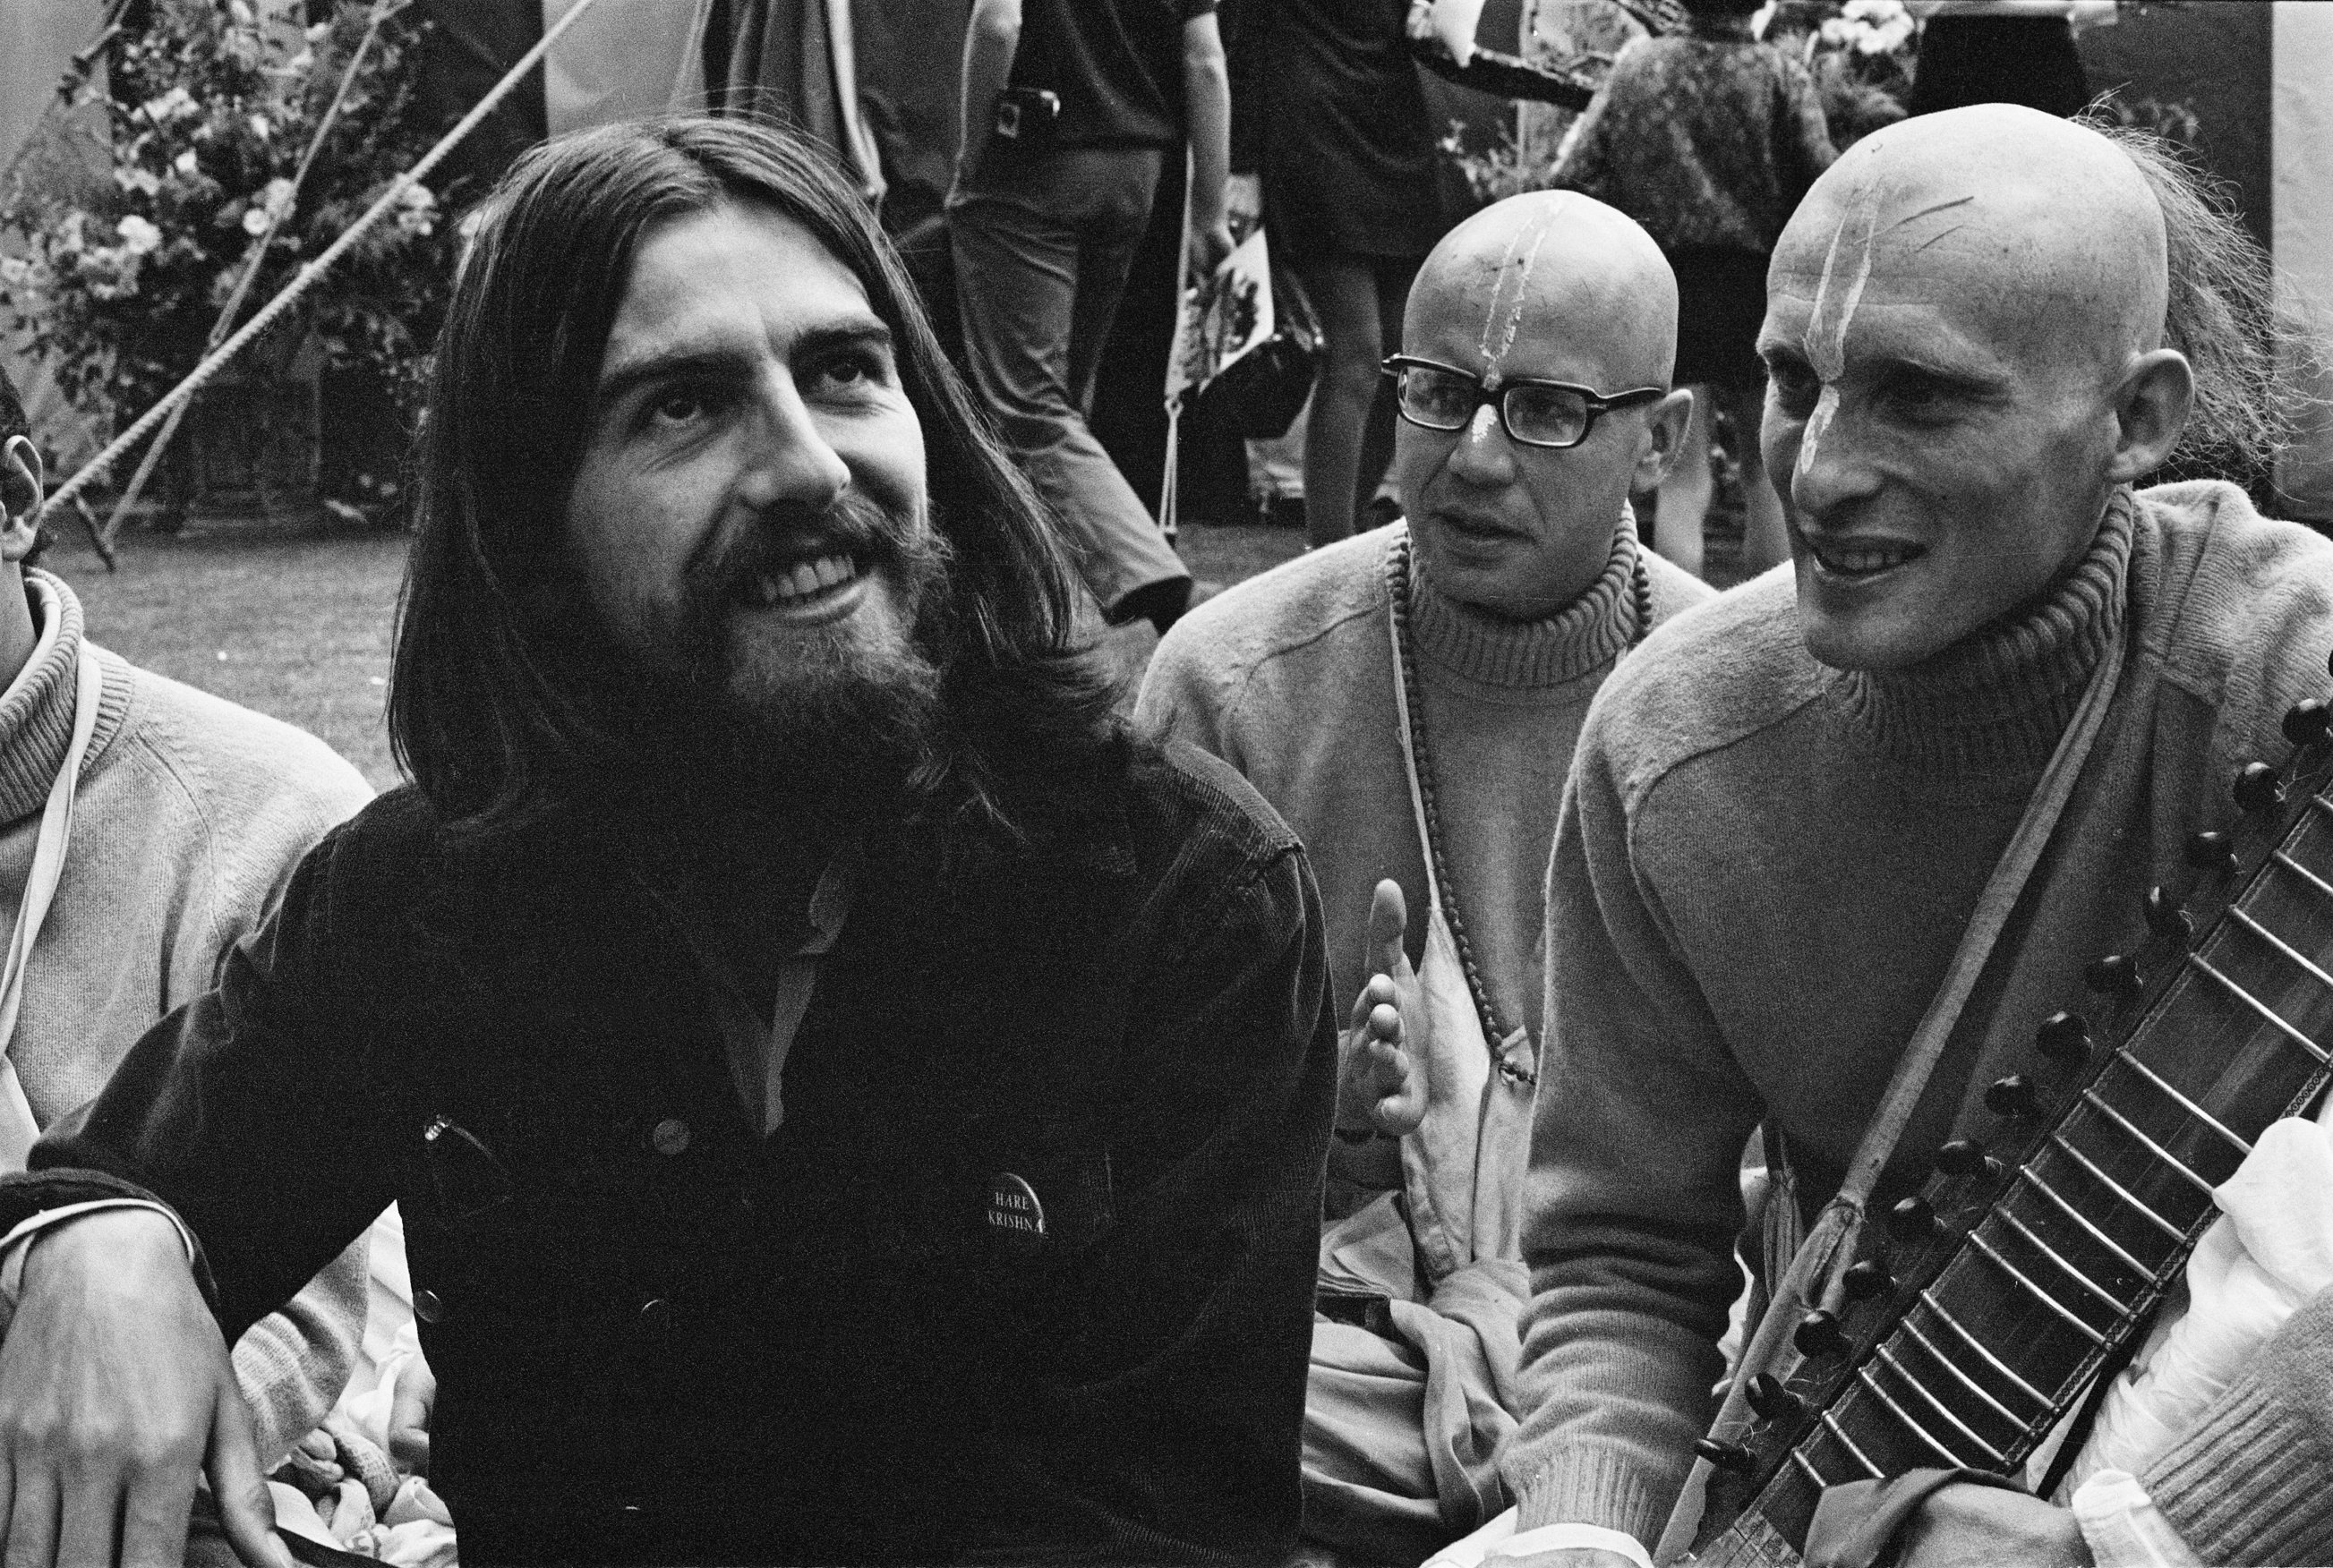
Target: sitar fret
{"x":2124,"y":1058}
{"x":2059,"y":1141}
{"x":1871,"y":1381}
{"x":2228,"y":1040}
{"x":2033,"y":1179}
{"x":2243,"y":917}
{"x":1831,"y":1424}
{"x":1928,"y":1299}
{"x":1970,"y":1383}
{"x":2267,"y":1014}
{"x":1991,"y":1255}
{"x":2097,"y":1103}
{"x":2114,"y":1303}
{"x":1886,"y":1357}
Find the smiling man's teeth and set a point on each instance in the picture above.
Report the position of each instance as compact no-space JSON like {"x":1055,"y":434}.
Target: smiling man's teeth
{"x":805,"y":578}
{"x":1865,"y":557}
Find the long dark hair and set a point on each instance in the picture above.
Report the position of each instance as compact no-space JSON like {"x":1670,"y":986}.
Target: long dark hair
{"x":479,"y":711}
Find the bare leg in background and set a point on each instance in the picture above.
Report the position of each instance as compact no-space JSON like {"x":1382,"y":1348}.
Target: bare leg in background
{"x":1348,"y":435}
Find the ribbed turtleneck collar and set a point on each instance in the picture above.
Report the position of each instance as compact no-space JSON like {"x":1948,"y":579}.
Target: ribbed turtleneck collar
{"x":2000,"y":698}
{"x":1582,"y":637}
{"x":36,"y":712}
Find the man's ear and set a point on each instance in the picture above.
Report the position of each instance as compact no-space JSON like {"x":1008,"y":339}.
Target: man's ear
{"x":1665,"y":431}
{"x":20,"y":498}
{"x":2150,"y":411}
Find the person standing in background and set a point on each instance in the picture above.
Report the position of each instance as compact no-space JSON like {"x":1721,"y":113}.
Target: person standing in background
{"x":1708,"y":138}
{"x":1331,"y":147}
{"x":2002,"y":52}
{"x":1069,"y":109}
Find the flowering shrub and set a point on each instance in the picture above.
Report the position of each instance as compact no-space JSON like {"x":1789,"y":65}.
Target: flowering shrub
{"x":211,"y":108}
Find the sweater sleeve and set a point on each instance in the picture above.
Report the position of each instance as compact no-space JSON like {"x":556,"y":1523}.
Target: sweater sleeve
{"x":1634,"y":1194}
{"x":1185,"y":696}
{"x":2247,"y":1485}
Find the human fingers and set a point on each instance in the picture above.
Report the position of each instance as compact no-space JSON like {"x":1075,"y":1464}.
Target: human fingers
{"x":154,"y":1510}
{"x":246,"y":1512}
{"x":1388,"y":921}
{"x":32,"y":1510}
{"x":89,"y":1511}
{"x":1384,"y":1023}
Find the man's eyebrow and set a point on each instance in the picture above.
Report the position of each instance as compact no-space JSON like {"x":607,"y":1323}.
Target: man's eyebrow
{"x":719,"y":361}
{"x":678,"y":362}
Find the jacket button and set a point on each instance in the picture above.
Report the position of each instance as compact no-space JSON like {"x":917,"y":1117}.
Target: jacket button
{"x":428,"y":1304}
{"x":656,"y":1316}
{"x":670,"y":1137}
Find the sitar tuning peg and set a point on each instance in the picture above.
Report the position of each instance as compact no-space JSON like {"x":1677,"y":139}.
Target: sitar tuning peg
{"x":2165,"y":918}
{"x":2212,"y":851}
{"x":2012,"y":1096}
{"x":2307,"y":721}
{"x":1966,"y":1157}
{"x":2113,"y":975}
{"x":1725,"y":1456}
{"x":2065,"y":1038}
{"x":1866,"y":1280}
{"x":1819,"y":1334}
{"x":1911,"y":1220}
{"x":1771,"y":1400}
{"x":2257,"y":787}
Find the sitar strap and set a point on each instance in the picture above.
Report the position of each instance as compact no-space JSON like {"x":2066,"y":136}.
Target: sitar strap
{"x":1816,"y":1276}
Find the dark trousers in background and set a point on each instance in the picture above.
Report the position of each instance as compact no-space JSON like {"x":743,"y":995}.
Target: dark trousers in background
{"x":1042,"y":242}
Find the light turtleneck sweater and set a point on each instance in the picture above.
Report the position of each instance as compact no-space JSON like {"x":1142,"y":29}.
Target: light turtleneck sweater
{"x":1763,"y":869}
{"x":1289,"y":678}
{"x":189,"y":815}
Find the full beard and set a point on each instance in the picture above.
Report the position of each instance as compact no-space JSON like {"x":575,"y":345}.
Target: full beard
{"x":822,"y":733}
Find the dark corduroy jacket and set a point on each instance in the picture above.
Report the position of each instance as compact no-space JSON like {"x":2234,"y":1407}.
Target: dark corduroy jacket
{"x":659,"y":1337}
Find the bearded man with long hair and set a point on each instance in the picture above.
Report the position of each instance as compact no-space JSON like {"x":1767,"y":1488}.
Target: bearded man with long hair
{"x":848,"y":1101}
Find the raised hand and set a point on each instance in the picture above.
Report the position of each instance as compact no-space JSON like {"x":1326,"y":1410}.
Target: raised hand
{"x":115,"y":1395}
{"x":1381,"y":1085}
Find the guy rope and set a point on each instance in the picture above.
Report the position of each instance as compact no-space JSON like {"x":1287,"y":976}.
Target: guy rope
{"x":309,"y":275}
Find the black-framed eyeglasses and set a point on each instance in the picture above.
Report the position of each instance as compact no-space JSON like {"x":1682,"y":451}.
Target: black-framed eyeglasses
{"x":1554,"y":413}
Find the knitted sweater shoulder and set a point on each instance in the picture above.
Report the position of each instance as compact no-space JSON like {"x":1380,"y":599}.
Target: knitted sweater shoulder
{"x":2225,"y":606}
{"x":1318,"y":603}
{"x":1767,"y":864}
{"x":188,"y":818}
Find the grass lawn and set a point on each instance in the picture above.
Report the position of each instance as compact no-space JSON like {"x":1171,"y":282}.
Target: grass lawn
{"x":299,"y":628}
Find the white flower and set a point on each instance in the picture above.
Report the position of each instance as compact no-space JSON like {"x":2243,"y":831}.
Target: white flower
{"x":14,"y":272}
{"x":416,"y":209}
{"x":277,"y":197}
{"x":318,"y":33}
{"x":175,"y":104}
{"x":259,"y":125}
{"x":301,"y":63}
{"x":137,"y":235}
{"x":241,"y":14}
{"x":188,"y":164}
{"x":144,"y":181}
{"x":255,"y":220}
{"x":68,"y":235}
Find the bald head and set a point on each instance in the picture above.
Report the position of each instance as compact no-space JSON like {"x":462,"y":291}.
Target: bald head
{"x":1553,"y":265}
{"x":1964,"y":333}
{"x":2044,"y":226}
{"x":1549,"y":287}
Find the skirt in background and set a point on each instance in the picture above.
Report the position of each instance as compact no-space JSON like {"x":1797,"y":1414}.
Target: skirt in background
{"x":1721,"y":302}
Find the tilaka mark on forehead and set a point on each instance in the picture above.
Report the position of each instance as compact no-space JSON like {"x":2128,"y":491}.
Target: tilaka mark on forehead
{"x":1825,"y":343}
{"x":1512,"y":280}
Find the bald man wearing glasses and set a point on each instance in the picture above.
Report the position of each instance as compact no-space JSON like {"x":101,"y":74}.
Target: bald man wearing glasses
{"x":1408,"y":700}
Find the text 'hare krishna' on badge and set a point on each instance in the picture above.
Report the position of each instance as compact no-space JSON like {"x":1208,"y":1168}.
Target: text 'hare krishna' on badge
{"x":1014,"y":1216}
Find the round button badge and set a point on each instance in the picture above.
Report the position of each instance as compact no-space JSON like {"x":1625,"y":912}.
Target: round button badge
{"x":1014,"y":1215}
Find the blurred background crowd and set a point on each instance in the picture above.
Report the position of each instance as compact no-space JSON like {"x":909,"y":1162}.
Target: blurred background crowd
{"x":199,"y":152}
